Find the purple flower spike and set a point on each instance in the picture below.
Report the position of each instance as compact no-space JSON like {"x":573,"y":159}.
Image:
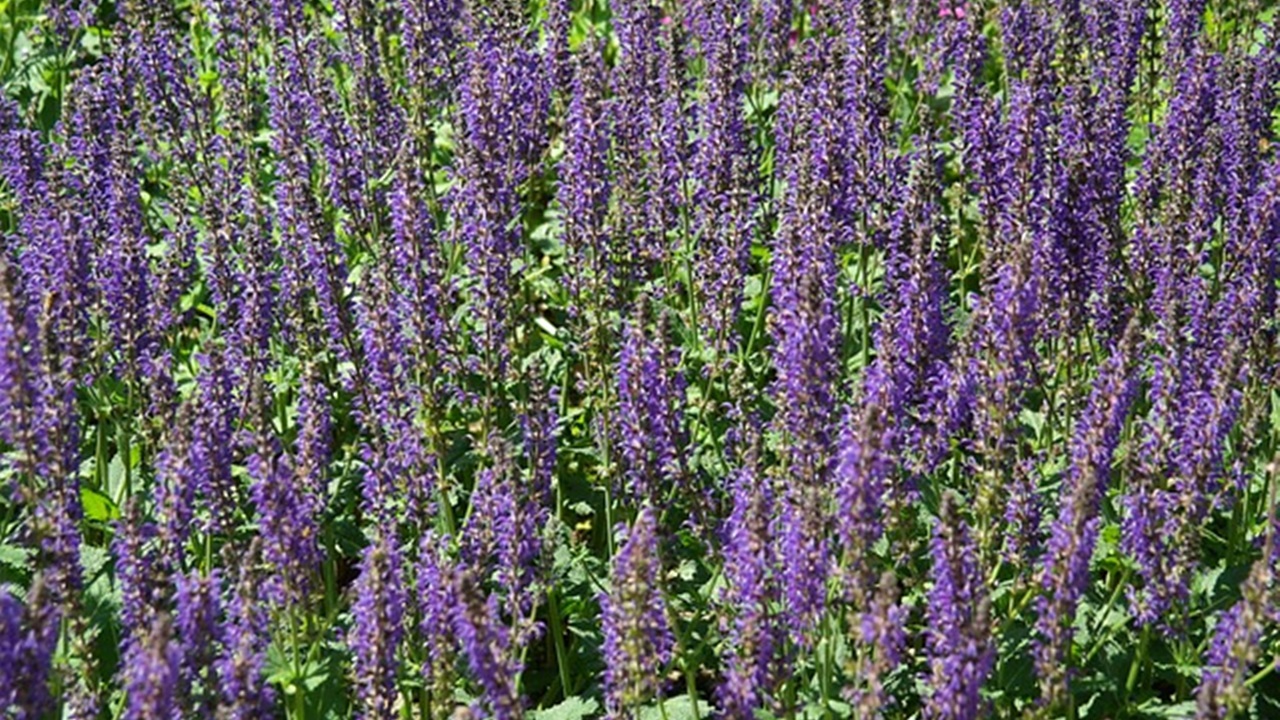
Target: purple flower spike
{"x":487,"y":645}
{"x":585,"y":187}
{"x":501,"y":109}
{"x":196,"y":621}
{"x":651,"y":394}
{"x":958,"y":632}
{"x":1064,"y":569}
{"x":245,"y":693}
{"x":882,"y":633}
{"x":11,"y":669}
{"x":435,"y":607}
{"x":378,"y":626}
{"x":725,"y":194}
{"x":637,"y":637}
{"x":754,"y":632}
{"x":806,"y":327}
{"x":1237,"y":639}
{"x":864,"y":471}
{"x":152,"y":674}
{"x":28,"y":663}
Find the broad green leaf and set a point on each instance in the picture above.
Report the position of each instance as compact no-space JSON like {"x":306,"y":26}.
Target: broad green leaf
{"x":574,"y":708}
{"x":677,"y":708}
{"x":98,"y":506}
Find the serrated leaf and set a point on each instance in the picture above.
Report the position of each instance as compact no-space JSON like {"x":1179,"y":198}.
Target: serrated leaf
{"x":573,"y":708}
{"x":14,"y":556}
{"x":1204,"y":583}
{"x":93,"y":559}
{"x":677,"y":708}
{"x":1033,"y":419}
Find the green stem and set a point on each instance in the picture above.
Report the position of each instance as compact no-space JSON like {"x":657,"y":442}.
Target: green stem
{"x":442,"y":499}
{"x":828,"y":663}
{"x":126,"y":458}
{"x":864,"y":282}
{"x":1102,"y":617}
{"x":299,"y":702}
{"x":563,"y":412}
{"x":758,"y":324}
{"x":608,"y":517}
{"x":1139,"y":657}
{"x":1261,"y":674}
{"x":690,"y":679}
{"x":103,"y":462}
{"x":557,"y":638}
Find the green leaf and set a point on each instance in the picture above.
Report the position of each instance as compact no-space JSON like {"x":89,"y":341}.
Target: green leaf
{"x":546,"y":326}
{"x":573,"y":708}
{"x":99,"y":588}
{"x":1203,"y":584}
{"x":677,"y":708}
{"x":93,"y":560}
{"x":97,"y":506}
{"x":115,"y":476}
{"x":1184,"y":709}
{"x":1033,"y":419}
{"x":14,"y":556}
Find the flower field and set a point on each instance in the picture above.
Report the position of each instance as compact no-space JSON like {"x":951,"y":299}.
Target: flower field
{"x":644,"y":359}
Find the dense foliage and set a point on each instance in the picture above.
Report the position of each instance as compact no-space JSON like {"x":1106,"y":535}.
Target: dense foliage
{"x":639,"y":358}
